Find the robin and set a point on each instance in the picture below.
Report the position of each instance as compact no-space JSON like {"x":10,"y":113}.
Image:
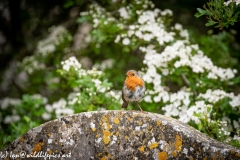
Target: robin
{"x":133,"y":89}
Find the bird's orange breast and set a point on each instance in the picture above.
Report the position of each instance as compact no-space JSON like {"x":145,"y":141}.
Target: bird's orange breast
{"x":132,"y":82}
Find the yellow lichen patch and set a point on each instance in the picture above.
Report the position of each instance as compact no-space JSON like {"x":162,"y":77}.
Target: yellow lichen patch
{"x":117,"y":133}
{"x":178,"y":144}
{"x":238,"y":154}
{"x":153,"y":145}
{"x":109,"y":155}
{"x":135,"y":115}
{"x":106,"y":133}
{"x":104,"y":119}
{"x":103,"y":158}
{"x":93,"y":129}
{"x":126,"y":137}
{"x":174,"y":153}
{"x":56,"y":151}
{"x":50,"y":151}
{"x":108,"y":125}
{"x":204,"y":158}
{"x":48,"y":134}
{"x":97,"y":135}
{"x":116,"y":120}
{"x":141,"y":149}
{"x":130,"y":119}
{"x":105,"y":123}
{"x":38,"y":147}
{"x":106,"y":138}
{"x":162,"y":155}
{"x":159,"y":122}
{"x":140,"y":123}
{"x":163,"y":128}
{"x":21,"y":139}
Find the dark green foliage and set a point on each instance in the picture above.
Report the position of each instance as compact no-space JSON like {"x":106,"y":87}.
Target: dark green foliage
{"x":219,"y":14}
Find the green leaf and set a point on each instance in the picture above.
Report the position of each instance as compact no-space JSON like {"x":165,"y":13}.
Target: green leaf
{"x":200,"y":126}
{"x":26,"y":118}
{"x":210,"y":23}
{"x":200,"y":12}
{"x":197,"y":15}
{"x":236,"y":16}
{"x":209,"y":109}
{"x":68,"y":4}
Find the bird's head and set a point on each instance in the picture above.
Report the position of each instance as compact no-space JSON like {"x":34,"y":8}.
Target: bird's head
{"x":131,"y":73}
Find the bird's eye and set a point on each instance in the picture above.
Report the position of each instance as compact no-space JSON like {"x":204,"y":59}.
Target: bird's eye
{"x":133,"y":74}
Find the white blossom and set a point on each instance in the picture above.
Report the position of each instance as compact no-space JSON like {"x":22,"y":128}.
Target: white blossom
{"x":166,"y":12}
{"x":46,"y":116}
{"x":235,"y":101}
{"x":236,"y":1}
{"x":11,"y":119}
{"x":60,"y":112}
{"x":123,"y":13}
{"x":71,"y":62}
{"x":236,"y":137}
{"x":178,"y":26}
{"x":214,"y":96}
{"x":236,"y":124}
{"x":117,"y":39}
{"x":148,"y":99}
{"x":58,"y":35}
{"x":126,"y":41}
{"x":6,"y":102}
{"x":49,"y":108}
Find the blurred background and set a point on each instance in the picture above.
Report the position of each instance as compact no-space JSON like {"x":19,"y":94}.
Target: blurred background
{"x":25,"y":22}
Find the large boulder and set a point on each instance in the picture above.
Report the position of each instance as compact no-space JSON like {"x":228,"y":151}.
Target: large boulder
{"x":118,"y":135}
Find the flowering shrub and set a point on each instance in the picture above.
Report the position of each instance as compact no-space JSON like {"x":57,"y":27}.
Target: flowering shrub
{"x":202,"y":97}
{"x":182,"y":81}
{"x":68,"y":88}
{"x":220,"y":13}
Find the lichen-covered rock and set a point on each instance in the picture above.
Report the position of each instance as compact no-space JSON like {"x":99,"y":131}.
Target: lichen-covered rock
{"x":118,"y":135}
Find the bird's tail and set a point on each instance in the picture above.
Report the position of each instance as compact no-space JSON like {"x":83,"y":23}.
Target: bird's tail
{"x":125,"y":104}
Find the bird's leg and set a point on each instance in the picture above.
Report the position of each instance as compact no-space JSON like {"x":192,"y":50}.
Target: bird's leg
{"x":139,"y":106}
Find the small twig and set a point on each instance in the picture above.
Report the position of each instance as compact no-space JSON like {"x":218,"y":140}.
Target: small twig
{"x":185,"y":79}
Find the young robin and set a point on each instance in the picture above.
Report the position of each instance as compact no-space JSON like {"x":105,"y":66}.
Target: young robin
{"x":133,"y":89}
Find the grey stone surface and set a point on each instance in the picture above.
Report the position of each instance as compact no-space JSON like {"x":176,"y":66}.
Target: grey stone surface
{"x":118,"y":135}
